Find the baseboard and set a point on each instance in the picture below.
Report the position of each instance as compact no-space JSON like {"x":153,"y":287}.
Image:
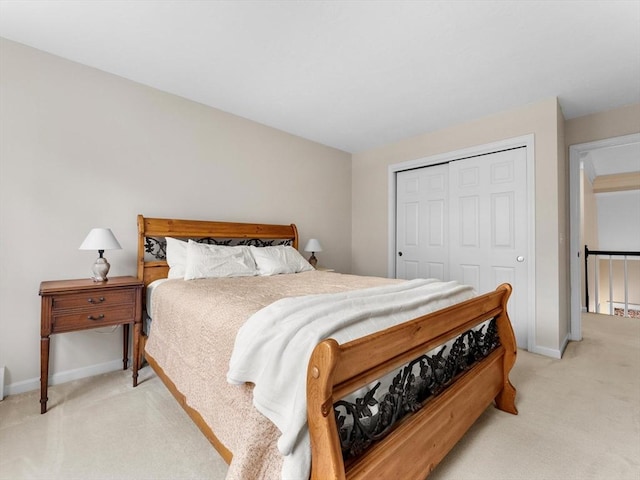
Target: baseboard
{"x":572,"y":338}
{"x":547,"y":352}
{"x":66,"y":376}
{"x":564,"y":344}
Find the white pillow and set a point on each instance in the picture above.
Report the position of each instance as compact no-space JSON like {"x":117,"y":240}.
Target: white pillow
{"x":176,"y":257}
{"x":279,"y":259}
{"x":207,"y":261}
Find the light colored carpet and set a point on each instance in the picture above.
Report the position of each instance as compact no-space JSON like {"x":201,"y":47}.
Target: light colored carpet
{"x":101,"y":428}
{"x":579,"y":419}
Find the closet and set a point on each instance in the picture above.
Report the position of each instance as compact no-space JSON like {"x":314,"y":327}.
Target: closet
{"x":467,"y":220}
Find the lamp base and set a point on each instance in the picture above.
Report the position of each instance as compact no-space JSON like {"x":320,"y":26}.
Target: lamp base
{"x":100,"y":270}
{"x":313,"y":260}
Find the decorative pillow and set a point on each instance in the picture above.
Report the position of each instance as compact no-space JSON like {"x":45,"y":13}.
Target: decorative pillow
{"x":279,"y":259}
{"x":176,"y":257}
{"x":206,"y":261}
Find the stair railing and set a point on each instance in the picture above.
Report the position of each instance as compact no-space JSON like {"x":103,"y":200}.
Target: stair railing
{"x":611,"y":254}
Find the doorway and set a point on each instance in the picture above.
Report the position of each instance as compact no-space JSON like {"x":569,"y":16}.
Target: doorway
{"x":577,"y":153}
{"x":454,"y":211}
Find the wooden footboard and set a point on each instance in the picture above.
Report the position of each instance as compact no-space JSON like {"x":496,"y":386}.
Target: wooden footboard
{"x":418,"y":442}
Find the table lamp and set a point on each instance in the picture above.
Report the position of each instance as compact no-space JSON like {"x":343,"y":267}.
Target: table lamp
{"x":313,"y":246}
{"x":100,"y":239}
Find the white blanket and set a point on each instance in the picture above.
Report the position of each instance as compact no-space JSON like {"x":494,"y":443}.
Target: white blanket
{"x":272,"y":349}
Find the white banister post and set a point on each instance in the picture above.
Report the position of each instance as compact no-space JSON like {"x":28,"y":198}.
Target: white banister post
{"x":610,"y":285}
{"x":597,"y":285}
{"x":626,"y":289}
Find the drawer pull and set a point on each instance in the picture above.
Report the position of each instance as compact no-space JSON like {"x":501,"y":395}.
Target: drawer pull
{"x":100,"y":300}
{"x":99,"y":317}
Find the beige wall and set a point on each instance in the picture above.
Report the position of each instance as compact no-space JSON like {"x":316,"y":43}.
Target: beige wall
{"x":611,"y":123}
{"x":544,"y":120}
{"x":81,"y":148}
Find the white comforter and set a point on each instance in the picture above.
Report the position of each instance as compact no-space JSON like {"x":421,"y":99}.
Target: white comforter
{"x":273,"y":347}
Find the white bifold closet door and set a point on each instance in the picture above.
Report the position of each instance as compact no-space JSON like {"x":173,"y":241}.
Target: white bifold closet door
{"x":466,"y":220}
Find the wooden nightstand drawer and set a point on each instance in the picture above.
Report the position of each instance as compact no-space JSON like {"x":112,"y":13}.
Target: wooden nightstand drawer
{"x":101,"y":298}
{"x":91,"y":318}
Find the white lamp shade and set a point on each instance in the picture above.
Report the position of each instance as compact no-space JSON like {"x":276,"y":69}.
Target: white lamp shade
{"x":313,"y":245}
{"x":100,"y":239}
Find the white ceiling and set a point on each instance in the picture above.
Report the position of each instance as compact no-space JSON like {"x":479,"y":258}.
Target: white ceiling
{"x":352,"y":74}
{"x":616,"y":159}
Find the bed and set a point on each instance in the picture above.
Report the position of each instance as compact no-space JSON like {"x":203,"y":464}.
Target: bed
{"x":390,"y":402}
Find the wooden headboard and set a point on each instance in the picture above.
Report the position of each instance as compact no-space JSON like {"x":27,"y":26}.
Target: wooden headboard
{"x":150,"y":270}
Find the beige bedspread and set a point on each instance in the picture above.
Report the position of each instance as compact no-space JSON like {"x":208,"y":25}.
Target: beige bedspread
{"x":192,"y":336}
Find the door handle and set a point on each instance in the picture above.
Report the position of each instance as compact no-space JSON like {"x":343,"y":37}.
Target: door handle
{"x":399,"y":254}
{"x":520,"y":258}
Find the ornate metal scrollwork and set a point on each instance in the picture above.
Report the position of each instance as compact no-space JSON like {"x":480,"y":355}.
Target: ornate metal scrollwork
{"x":157,"y":246}
{"x":369,"y":419}
{"x":257,"y":242}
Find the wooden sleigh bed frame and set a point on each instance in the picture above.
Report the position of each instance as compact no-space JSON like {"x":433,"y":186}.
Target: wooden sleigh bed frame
{"x":419,"y":441}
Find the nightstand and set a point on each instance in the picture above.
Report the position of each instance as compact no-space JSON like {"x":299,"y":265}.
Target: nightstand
{"x":73,"y":305}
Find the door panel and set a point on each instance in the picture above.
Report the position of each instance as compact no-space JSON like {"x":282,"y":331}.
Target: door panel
{"x":412,"y":215}
{"x":504,"y":275}
{"x":468,"y":274}
{"x":412,"y":269}
{"x":436,"y":218}
{"x":502,"y":220}
{"x":467,"y":209}
{"x":435,"y":270}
